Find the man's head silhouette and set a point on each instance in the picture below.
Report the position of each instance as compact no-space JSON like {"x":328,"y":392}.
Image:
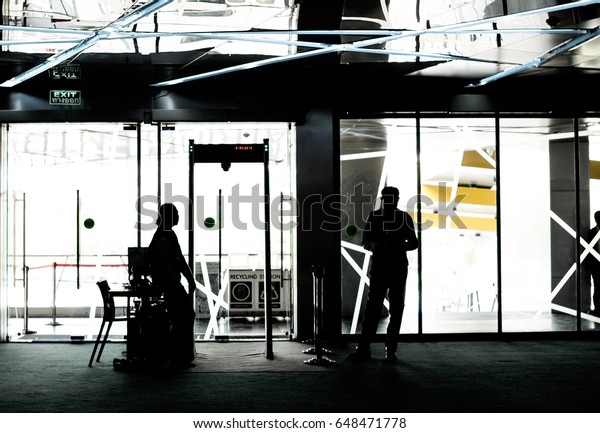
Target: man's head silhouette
{"x":389,"y":198}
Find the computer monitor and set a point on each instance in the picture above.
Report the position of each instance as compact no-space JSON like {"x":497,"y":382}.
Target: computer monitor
{"x":137,"y":263}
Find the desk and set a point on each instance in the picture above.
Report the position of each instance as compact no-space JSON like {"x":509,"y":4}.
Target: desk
{"x":145,"y":293}
{"x":142,"y":327}
{"x":133,"y":326}
{"x":126,"y":293}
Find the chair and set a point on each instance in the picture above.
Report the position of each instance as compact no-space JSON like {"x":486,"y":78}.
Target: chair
{"x":108,"y":317}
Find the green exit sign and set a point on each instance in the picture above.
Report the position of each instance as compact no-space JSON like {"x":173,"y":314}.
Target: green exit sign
{"x":65,"y":97}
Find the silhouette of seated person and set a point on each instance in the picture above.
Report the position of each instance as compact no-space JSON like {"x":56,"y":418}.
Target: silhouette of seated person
{"x":167,"y":265}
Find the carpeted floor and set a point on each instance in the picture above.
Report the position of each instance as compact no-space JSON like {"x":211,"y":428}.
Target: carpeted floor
{"x":459,"y":377}
{"x":236,"y":357}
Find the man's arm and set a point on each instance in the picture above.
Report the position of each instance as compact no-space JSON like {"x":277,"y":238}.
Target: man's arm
{"x":368,"y":241}
{"x":411,"y":241}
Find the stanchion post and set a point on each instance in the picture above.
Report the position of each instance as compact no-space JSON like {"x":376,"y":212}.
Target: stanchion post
{"x":318,"y":272}
{"x":26,"y":329}
{"x":54,"y":322}
{"x":78,"y":235}
{"x":267,"y":292}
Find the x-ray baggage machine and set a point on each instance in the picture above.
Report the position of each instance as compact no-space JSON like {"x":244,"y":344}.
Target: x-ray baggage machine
{"x":226,"y":154}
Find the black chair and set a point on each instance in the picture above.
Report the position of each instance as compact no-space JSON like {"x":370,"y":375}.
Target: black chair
{"x":109,"y":316}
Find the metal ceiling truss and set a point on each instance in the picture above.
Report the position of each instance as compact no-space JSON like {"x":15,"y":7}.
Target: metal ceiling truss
{"x":118,"y":30}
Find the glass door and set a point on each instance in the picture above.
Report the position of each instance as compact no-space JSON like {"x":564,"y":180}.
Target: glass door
{"x":501,"y":202}
{"x":542,"y":210}
{"x":375,"y":153}
{"x":451,"y":163}
{"x":79,"y":195}
{"x":72,"y":213}
{"x":459,"y":239}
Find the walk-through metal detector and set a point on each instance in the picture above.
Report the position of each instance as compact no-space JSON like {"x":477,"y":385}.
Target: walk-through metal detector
{"x":226,"y":154}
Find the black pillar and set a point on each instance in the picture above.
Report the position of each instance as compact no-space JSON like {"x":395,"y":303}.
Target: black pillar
{"x":319,"y":221}
{"x":318,"y":181}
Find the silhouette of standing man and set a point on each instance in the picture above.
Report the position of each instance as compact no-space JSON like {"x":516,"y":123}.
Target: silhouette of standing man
{"x":593,"y":265}
{"x":389,"y":234}
{"x":167,"y":264}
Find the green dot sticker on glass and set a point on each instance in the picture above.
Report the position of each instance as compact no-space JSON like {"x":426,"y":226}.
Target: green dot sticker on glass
{"x":209,"y":222}
{"x":89,"y":223}
{"x":351,"y":231}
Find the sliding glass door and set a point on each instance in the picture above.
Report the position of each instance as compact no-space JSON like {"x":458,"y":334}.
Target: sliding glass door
{"x":499,"y":203}
{"x":79,"y":195}
{"x":548,"y":197}
{"x":459,"y":238}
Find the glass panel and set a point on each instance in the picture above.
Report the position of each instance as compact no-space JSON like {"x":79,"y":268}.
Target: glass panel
{"x":59,"y":173}
{"x":590,"y":282}
{"x":6,"y":281}
{"x":374,"y":153}
{"x":458,"y":160}
{"x":538,"y":224}
{"x":51,"y":166}
{"x":149,"y":175}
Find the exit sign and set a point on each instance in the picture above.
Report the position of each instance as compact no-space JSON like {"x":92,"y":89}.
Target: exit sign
{"x":69,"y":71}
{"x":65,"y":97}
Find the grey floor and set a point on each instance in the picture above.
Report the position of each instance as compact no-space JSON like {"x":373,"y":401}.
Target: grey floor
{"x":525,"y":376}
{"x":539,"y":365}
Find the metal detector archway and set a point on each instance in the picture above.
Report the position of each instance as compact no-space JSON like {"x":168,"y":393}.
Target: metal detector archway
{"x":226,"y":154}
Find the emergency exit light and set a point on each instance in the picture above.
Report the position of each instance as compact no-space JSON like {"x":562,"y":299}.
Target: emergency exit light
{"x":65,"y":97}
